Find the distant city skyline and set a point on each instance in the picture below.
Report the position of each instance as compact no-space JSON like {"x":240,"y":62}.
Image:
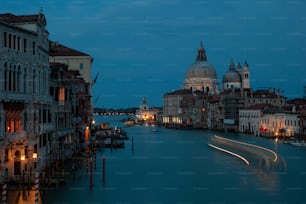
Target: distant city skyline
{"x":144,"y":48}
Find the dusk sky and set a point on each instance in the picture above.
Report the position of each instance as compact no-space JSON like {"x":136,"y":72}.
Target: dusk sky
{"x":144,"y":47}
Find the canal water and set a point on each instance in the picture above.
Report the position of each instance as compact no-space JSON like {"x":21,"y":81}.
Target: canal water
{"x":177,"y":166}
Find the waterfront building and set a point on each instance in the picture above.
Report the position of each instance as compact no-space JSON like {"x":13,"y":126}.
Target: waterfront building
{"x":280,"y":123}
{"x":214,"y":111}
{"x":144,"y":113}
{"x":70,"y":102}
{"x":172,"y":108}
{"x":77,"y":61}
{"x":43,"y":108}
{"x":235,"y":99}
{"x":249,"y":119}
{"x":25,"y":103}
{"x":300,"y":105}
{"x":201,"y":76}
{"x":270,"y":121}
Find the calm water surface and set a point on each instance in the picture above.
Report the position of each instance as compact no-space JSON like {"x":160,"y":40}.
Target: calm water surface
{"x":178,"y":166}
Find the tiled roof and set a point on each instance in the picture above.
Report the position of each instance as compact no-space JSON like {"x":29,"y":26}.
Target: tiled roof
{"x":11,"y":18}
{"x":57,"y":49}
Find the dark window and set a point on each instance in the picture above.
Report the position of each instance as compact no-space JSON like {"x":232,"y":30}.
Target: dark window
{"x":10,"y":41}
{"x":49,"y":116}
{"x":44,"y":140}
{"x":25,"y":45}
{"x":44,"y":116}
{"x":19,"y":44}
{"x":34,"y":48}
{"x":5,"y":39}
{"x":35,"y":148}
{"x":14,"y":41}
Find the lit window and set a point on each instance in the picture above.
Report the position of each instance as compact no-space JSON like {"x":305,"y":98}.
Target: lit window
{"x":61,"y":96}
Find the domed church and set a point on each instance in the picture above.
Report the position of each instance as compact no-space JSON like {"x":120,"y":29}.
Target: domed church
{"x":201,"y":76}
{"x":236,"y":77}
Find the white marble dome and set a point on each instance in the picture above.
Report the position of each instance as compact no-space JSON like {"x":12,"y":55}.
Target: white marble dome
{"x":201,"y":76}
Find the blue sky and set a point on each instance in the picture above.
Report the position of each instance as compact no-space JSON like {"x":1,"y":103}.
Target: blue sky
{"x":144,"y":47}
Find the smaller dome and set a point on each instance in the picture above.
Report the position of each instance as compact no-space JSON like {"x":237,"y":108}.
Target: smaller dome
{"x":232,"y":76}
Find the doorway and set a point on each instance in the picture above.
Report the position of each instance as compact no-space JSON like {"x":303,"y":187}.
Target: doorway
{"x":17,"y":163}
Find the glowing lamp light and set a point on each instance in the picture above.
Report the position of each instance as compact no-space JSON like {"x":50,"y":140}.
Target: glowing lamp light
{"x":34,"y":155}
{"x":93,"y":122}
{"x":22,"y":158}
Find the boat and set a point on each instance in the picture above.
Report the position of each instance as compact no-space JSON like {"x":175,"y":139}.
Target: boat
{"x":128,"y":122}
{"x":298,"y":144}
{"x":267,"y":135}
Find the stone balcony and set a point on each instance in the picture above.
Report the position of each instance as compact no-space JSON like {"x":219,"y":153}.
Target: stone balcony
{"x":14,"y":136}
{"x":24,"y":97}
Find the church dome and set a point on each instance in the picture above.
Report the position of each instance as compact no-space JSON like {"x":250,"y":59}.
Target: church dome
{"x":201,"y":75}
{"x":232,"y":75}
{"x":201,"y":69}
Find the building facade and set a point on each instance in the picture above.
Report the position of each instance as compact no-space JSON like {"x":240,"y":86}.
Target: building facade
{"x":144,"y":113}
{"x":44,"y":108}
{"x":172,"y":108}
{"x":25,"y":104}
{"x":76,"y":61}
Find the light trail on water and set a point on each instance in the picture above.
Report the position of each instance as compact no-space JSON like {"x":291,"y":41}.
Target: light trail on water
{"x":252,"y":145}
{"x":229,"y":152}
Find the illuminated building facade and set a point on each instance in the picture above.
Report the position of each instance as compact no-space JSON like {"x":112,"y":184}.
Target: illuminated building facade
{"x":42,"y":107}
{"x":145,"y":113}
{"x":25,"y":104}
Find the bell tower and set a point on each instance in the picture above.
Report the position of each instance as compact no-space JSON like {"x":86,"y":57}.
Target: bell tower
{"x":245,"y":76}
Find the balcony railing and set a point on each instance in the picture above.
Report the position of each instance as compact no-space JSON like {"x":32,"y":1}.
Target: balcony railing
{"x":13,"y":136}
{"x":24,"y":97}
